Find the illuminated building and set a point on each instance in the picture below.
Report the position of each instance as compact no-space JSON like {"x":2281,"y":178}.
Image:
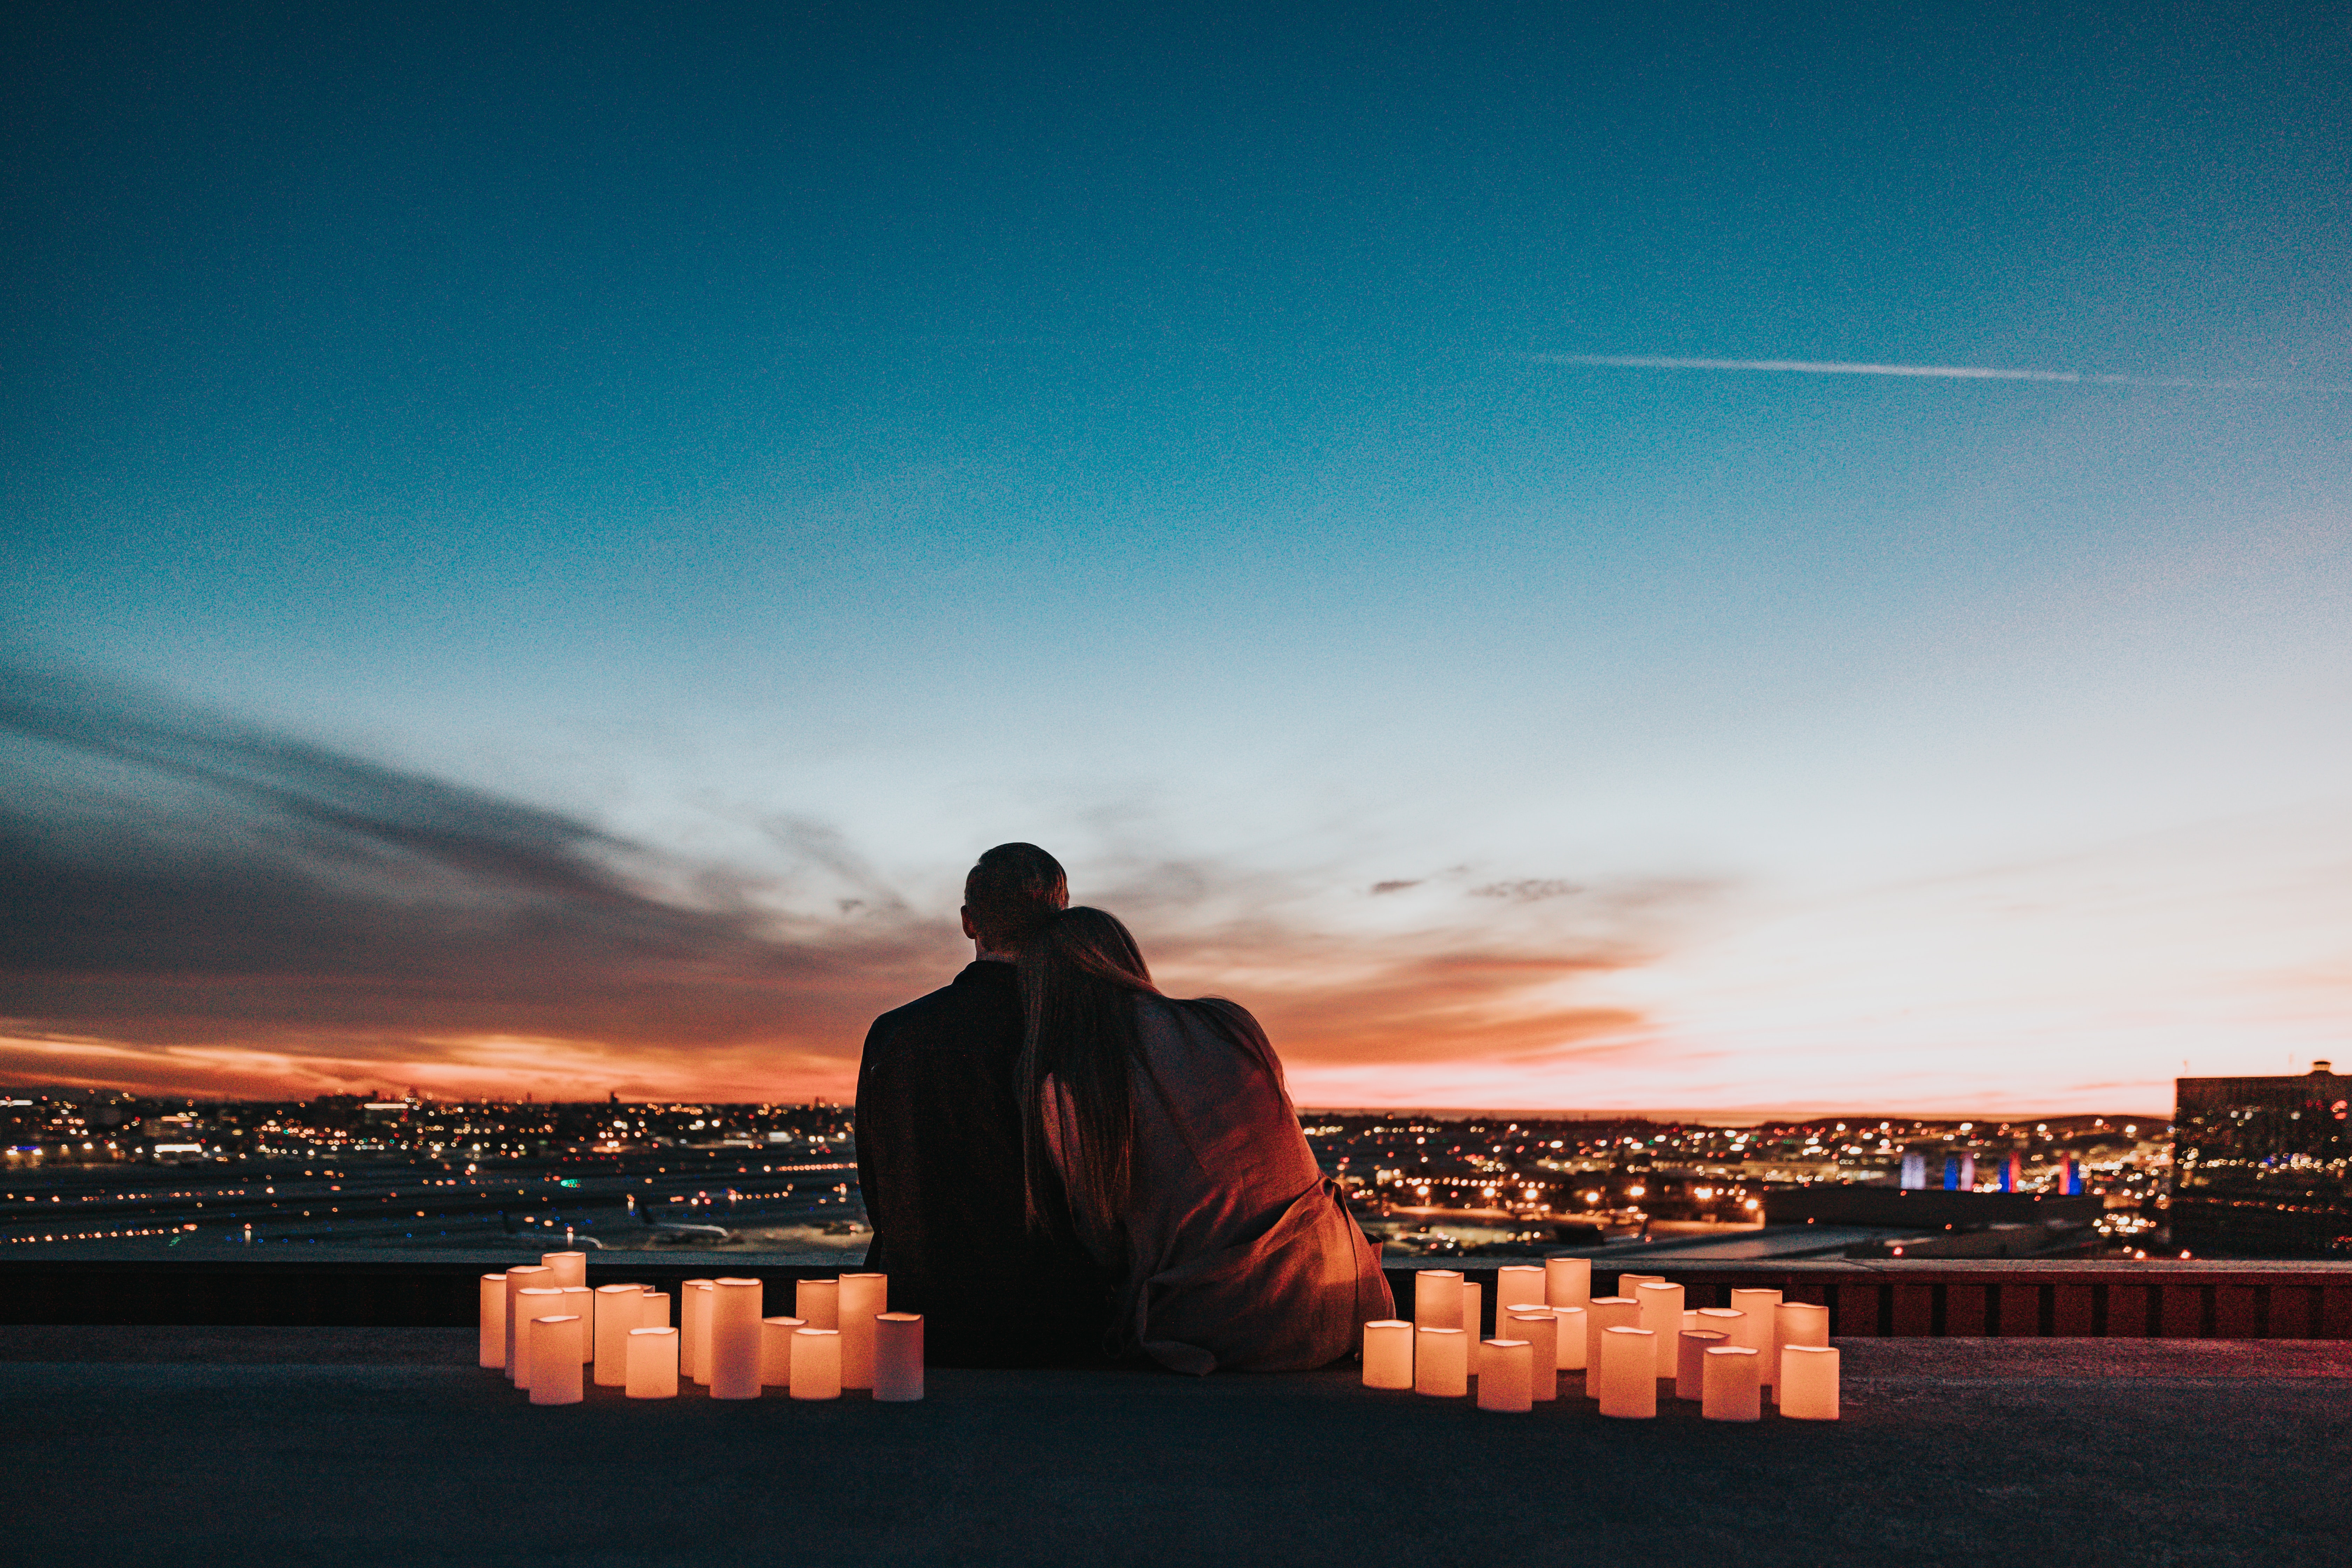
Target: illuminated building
{"x":2263,"y":1165}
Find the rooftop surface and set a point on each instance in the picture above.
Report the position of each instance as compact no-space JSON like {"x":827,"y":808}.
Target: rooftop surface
{"x":330,"y":1447}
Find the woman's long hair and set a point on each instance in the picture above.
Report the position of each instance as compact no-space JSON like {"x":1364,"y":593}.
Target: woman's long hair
{"x":1081,"y":974}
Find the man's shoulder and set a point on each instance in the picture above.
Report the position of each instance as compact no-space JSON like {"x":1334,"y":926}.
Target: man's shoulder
{"x":968,"y":1003}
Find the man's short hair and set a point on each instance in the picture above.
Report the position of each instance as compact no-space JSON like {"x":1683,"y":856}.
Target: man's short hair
{"x":1012,"y":890}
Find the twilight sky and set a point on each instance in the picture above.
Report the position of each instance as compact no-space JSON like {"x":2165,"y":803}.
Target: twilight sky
{"x":541,"y":542}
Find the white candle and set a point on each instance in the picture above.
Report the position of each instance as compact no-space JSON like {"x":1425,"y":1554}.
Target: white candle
{"x":816,"y":1363}
{"x":1572,"y":1337}
{"x":733,"y":1346}
{"x":1518,"y":1286}
{"x":864,"y":1298}
{"x":494,"y":1319}
{"x":531,"y":1301}
{"x":1690,"y":1368}
{"x":817,"y":1303}
{"x":1388,"y":1354}
{"x":521,"y":1278}
{"x":1690,"y":1320}
{"x":1605,"y":1313}
{"x":1795,"y":1323}
{"x":1441,"y":1363}
{"x":776,"y":1350}
{"x":653,"y":1312}
{"x":1474,"y":1321}
{"x":898,"y":1357}
{"x":1727,"y":1386}
{"x":1662,"y":1314}
{"x":1755,"y":1330}
{"x":555,"y":1360}
{"x":1723,"y":1321}
{"x":581,"y":1300}
{"x":1629,"y":1373}
{"x":694,"y":1329}
{"x":1568,"y":1281}
{"x":1436,"y":1298}
{"x":1809,"y":1383}
{"x":570,"y":1268}
{"x":617,"y":1306}
{"x":1629,"y":1283}
{"x":1504,"y":1372}
{"x":1541,"y":1330}
{"x":653,"y":1364}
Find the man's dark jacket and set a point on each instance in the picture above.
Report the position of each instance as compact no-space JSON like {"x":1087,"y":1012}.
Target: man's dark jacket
{"x":939,"y":1158}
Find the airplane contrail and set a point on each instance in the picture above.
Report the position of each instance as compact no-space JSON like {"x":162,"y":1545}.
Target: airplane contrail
{"x":1935,"y":371}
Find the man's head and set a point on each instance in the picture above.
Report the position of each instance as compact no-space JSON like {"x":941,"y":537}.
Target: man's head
{"x":1011,"y":889}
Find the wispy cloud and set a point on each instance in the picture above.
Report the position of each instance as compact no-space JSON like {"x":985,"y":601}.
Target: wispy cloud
{"x":185,"y":883}
{"x":1930,"y":371}
{"x":200,"y":906}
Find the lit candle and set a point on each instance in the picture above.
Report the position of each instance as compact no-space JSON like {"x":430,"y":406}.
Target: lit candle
{"x":1795,"y":1323}
{"x":694,"y":1329}
{"x":1474,"y":1321}
{"x":1572,"y":1337}
{"x":732,"y":1347}
{"x":570,"y":1268}
{"x":653,"y":1364}
{"x":816,"y":1363}
{"x":1723,"y":1321}
{"x":1605,"y":1313}
{"x":817,"y":1303}
{"x":521,"y":1278}
{"x":494,"y":1319}
{"x":1755,"y":1330}
{"x":1518,"y":1286}
{"x":1727,"y":1386}
{"x":1690,"y":1320}
{"x":1690,"y":1367}
{"x":1504,"y":1372}
{"x":1629,"y":1283}
{"x":653,"y":1312}
{"x":531,"y":1301}
{"x":898,"y":1357}
{"x":581,"y":1301}
{"x":1388,"y":1354}
{"x":1436,"y":1298}
{"x":864,"y":1298}
{"x":1809,"y":1383}
{"x":1568,"y":1281}
{"x":1629,"y":1373}
{"x":1441,"y":1363}
{"x":616,"y":1316}
{"x":1541,"y":1330}
{"x":555,"y":1360}
{"x":1662,"y":1314}
{"x":776,"y":1350}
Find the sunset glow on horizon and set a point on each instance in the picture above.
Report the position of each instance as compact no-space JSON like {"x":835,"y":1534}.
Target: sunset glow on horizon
{"x":537,"y":571}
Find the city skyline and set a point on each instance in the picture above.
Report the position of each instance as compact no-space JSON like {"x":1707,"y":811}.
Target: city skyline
{"x":1723,"y":561}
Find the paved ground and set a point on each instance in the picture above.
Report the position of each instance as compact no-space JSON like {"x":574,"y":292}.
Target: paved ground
{"x":327,"y":1447}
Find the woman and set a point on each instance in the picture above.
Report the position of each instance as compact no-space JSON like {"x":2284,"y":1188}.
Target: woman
{"x":1161,"y":1132}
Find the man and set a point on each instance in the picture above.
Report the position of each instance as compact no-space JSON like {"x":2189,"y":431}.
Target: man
{"x":939,"y":1150}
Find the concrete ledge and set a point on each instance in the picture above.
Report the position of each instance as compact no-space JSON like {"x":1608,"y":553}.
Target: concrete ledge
{"x":338,"y":1449}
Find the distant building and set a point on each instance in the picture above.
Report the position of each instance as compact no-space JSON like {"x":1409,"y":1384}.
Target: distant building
{"x":2262,"y":1166}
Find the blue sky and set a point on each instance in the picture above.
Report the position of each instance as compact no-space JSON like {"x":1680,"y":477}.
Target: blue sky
{"x":796,"y":449}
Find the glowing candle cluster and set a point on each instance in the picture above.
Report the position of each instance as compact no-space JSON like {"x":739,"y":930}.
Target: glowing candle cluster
{"x":1629,"y":1348}
{"x":555,"y":1338}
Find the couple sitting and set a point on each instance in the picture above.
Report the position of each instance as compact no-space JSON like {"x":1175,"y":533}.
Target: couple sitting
{"x":1063,"y":1165}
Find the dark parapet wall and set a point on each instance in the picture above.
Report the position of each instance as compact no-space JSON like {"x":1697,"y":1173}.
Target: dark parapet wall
{"x":1897,"y":1299}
